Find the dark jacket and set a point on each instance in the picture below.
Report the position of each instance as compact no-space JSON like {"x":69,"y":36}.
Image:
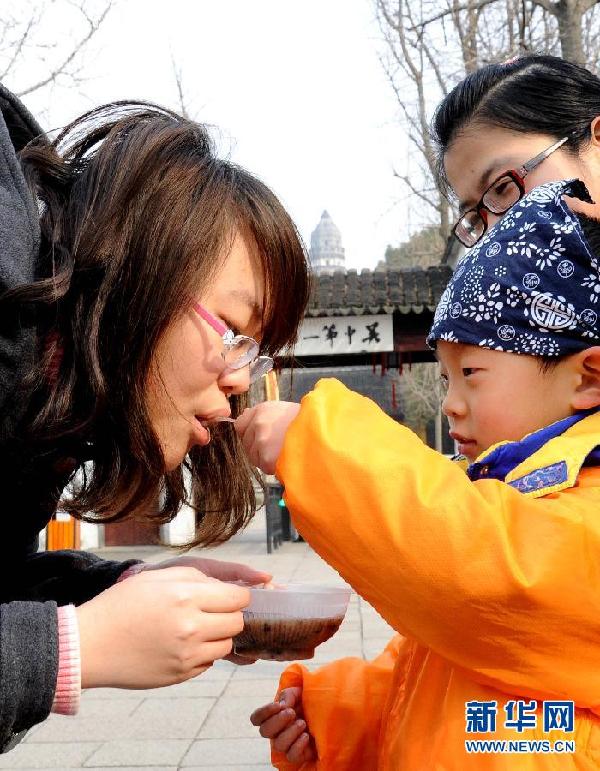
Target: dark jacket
{"x":32,"y":584}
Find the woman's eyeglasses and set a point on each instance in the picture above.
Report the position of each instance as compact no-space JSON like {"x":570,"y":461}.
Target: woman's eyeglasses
{"x":501,"y":195}
{"x":239,"y":351}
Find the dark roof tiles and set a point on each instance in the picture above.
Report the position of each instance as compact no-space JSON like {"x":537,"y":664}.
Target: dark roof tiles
{"x":408,"y":290}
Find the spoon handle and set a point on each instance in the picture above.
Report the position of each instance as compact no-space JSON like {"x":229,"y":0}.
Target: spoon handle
{"x":219,"y":419}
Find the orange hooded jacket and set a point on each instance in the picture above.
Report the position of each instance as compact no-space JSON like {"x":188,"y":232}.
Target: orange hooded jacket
{"x":496,"y":592}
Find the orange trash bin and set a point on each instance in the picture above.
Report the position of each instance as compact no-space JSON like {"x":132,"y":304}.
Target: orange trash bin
{"x":62,"y":532}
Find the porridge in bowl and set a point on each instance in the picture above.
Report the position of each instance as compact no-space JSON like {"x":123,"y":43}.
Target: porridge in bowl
{"x":293,"y":619}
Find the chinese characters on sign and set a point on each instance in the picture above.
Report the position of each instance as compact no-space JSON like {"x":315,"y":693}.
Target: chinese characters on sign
{"x":345,"y":334}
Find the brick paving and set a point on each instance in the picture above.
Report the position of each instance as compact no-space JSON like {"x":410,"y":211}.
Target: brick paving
{"x":200,"y":725}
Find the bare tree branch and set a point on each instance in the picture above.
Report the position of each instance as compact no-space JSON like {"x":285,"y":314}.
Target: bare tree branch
{"x":420,"y":393}
{"x":545,"y":4}
{"x":62,"y":67}
{"x":451,"y":11}
{"x":19,"y":46}
{"x":414,"y":190}
{"x":179,"y":85}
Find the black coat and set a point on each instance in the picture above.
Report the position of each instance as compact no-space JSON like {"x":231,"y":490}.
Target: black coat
{"x":32,"y":583}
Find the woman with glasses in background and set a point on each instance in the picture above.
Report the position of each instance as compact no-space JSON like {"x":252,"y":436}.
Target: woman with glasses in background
{"x":507,"y":128}
{"x":144,"y":284}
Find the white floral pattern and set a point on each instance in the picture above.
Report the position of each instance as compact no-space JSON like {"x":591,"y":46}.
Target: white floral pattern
{"x":489,"y":343}
{"x":449,"y":337}
{"x":527,"y":286}
{"x":487,"y":306}
{"x":547,"y":255}
{"x":592,"y":281}
{"x":471,"y":286}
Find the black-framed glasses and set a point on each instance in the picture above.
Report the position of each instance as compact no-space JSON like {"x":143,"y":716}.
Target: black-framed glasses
{"x":501,"y":195}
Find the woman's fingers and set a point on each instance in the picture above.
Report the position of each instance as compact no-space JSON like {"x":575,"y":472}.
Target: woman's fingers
{"x":210,"y":594}
{"x":234,"y":571}
{"x":223,"y":571}
{"x":206,"y":653}
{"x":221,"y":597}
{"x":218,"y":626}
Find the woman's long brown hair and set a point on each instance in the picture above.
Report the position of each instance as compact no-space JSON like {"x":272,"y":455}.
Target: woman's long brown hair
{"x":137,"y":212}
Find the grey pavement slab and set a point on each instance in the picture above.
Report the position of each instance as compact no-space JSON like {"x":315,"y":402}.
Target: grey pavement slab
{"x":257,"y":687}
{"x":260,"y":671}
{"x":268,"y":767}
{"x":170,"y":719}
{"x":230,"y":718}
{"x":140,"y":752}
{"x":220,"y":753}
{"x":49,"y":755}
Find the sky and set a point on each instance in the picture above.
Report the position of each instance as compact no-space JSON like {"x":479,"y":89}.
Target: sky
{"x":295,"y":88}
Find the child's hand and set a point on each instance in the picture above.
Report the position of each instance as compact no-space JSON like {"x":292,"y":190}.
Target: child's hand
{"x":262,"y":431}
{"x":282,"y":723}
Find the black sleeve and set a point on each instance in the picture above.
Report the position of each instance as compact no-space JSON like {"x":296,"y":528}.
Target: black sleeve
{"x":32,"y":490}
{"x":28,"y":665}
{"x":63,"y":576}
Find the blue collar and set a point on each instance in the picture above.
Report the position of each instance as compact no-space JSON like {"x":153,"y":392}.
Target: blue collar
{"x":505,"y":457}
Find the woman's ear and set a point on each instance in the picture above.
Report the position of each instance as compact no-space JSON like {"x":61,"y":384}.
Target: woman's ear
{"x":595,"y":131}
{"x":586,"y":395}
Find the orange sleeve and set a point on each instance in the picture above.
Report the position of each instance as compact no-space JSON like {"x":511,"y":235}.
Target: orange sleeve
{"x":343,"y":705}
{"x":502,"y":585}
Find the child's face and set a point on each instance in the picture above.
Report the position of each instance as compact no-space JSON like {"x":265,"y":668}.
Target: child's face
{"x":494,"y":396}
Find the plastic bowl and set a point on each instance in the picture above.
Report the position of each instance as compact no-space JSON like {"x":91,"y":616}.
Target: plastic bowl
{"x":287,"y":622}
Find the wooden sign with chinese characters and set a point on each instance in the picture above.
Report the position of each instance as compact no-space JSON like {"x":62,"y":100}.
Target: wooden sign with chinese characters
{"x":329,"y":335}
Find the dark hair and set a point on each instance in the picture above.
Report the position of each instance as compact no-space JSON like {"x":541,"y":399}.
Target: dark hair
{"x":531,"y":94}
{"x":137,"y":211}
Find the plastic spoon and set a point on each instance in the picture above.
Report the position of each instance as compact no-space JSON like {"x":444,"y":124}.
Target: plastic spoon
{"x":218,"y":419}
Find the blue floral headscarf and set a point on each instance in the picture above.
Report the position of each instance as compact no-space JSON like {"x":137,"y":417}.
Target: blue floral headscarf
{"x":530,"y":286}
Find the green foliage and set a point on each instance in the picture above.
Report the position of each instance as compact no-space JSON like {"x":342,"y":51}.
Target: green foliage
{"x":423,"y":248}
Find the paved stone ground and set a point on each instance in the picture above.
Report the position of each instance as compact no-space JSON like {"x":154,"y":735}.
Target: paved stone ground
{"x":200,"y":725}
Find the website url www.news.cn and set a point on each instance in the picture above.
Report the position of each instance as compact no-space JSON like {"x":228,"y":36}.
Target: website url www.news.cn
{"x":523,"y":746}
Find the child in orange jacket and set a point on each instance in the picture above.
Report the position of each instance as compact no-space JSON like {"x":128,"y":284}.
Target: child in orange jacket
{"x":492,"y":578}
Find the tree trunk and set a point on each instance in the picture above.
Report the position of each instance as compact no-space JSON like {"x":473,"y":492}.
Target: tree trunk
{"x":445,"y":225}
{"x":569,"y":18}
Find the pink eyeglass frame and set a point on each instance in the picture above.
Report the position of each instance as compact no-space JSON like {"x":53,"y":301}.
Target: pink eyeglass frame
{"x":259,"y":365}
{"x":210,"y":319}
